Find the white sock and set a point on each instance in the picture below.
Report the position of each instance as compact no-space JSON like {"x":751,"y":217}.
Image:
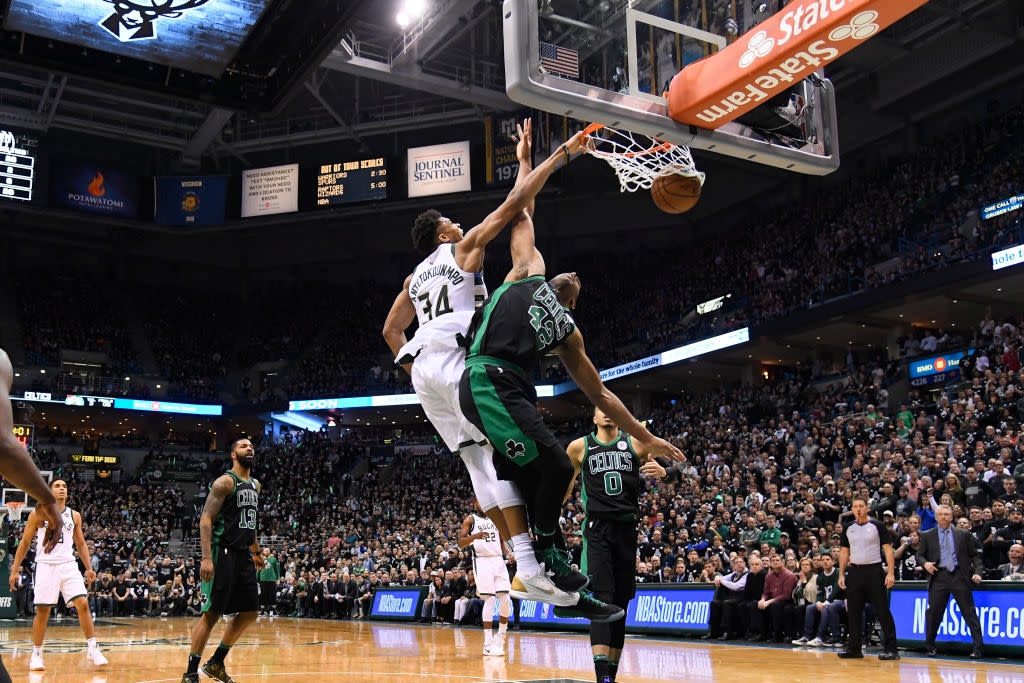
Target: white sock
{"x":522,"y":546}
{"x":502,"y":629}
{"x":91,"y":642}
{"x":37,"y":650}
{"x":488,"y":636}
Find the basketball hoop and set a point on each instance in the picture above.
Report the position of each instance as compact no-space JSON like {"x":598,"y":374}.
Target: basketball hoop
{"x":638,"y":159}
{"x":14,"y":510}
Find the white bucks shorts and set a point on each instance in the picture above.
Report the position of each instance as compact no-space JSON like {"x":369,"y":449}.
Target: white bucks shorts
{"x":52,"y":580}
{"x":436,"y":374}
{"x":491,"y":575}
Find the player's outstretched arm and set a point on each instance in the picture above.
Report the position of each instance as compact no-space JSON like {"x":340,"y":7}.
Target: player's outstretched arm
{"x":222,"y":488}
{"x":401,"y":315}
{"x":576,"y":451}
{"x":83,"y":548}
{"x":585,"y":375}
{"x":469,"y":253}
{"x":15,"y":462}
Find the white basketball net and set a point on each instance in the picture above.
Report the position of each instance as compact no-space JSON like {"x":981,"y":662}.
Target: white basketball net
{"x":638,"y":159}
{"x":14,"y":510}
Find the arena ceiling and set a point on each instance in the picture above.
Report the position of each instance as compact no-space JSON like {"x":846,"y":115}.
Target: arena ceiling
{"x":377,"y":81}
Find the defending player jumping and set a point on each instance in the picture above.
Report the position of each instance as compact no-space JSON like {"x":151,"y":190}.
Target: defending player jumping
{"x":442,"y":294}
{"x":612,"y":465}
{"x":522,"y":321}
{"x":57,"y":574}
{"x":231,"y":558}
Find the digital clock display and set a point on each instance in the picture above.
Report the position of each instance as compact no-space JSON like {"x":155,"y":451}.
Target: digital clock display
{"x":25,"y":434}
{"x":351,"y":181}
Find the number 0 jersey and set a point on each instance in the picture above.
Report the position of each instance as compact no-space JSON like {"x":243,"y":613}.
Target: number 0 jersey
{"x":611,"y":477}
{"x":445,"y":297}
{"x":235,"y":526}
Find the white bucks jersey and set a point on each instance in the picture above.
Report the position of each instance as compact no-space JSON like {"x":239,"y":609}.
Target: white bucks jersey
{"x":445,"y":297}
{"x":62,"y":552}
{"x":489,"y":545}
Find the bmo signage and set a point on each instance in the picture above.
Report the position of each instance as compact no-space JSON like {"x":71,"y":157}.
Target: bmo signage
{"x":936,"y":369}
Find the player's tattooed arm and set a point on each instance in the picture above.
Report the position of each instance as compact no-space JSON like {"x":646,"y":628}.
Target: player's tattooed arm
{"x":576,"y":450}
{"x":401,"y":315}
{"x":222,"y":488}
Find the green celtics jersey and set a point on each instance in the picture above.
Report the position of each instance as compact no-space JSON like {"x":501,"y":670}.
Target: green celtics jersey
{"x":611,"y":477}
{"x":520,"y":323}
{"x":235,"y":526}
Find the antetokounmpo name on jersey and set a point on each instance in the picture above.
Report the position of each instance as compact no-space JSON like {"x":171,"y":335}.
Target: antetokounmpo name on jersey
{"x":440,"y":270}
{"x":610,"y":460}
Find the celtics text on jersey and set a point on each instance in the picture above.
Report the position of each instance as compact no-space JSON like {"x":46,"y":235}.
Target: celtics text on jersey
{"x":611,"y":477}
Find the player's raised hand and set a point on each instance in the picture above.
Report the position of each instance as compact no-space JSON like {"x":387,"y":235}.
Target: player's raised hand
{"x":655,"y":447}
{"x":652,"y":469}
{"x":575,"y":143}
{"x":50,"y":514}
{"x":524,"y":136}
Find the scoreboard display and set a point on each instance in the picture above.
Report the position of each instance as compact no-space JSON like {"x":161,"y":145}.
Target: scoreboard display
{"x":17,"y":168}
{"x":25,"y":434}
{"x":351,"y":181}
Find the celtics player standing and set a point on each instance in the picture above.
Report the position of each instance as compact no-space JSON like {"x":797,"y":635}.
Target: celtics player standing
{"x":522,"y":321}
{"x":231,"y":558}
{"x":611,"y":464}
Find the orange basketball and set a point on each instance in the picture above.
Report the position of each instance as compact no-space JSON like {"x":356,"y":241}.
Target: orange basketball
{"x":674,"y":193}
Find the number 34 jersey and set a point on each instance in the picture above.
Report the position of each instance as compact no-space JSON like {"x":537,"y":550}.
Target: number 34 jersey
{"x":235,"y":526}
{"x":445,"y":297}
{"x":611,"y":477}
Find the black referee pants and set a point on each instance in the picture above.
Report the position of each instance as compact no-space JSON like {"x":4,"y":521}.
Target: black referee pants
{"x":866,"y":583}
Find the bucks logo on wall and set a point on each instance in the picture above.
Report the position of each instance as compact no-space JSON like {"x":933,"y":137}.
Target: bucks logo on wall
{"x":136,"y":19}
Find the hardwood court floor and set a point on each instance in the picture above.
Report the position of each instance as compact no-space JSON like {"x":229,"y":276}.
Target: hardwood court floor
{"x":156,"y":650}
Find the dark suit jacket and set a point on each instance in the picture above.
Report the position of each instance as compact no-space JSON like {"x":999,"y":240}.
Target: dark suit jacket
{"x":965,"y":545}
{"x":1007,"y":569}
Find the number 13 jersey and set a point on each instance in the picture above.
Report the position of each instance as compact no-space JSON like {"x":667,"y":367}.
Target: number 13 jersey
{"x":445,"y":297}
{"x":235,"y":526}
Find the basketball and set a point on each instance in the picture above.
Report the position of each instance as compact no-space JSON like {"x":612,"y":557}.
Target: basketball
{"x":674,"y":193}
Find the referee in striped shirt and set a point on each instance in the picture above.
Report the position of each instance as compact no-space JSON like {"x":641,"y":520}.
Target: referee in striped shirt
{"x":862,"y":546}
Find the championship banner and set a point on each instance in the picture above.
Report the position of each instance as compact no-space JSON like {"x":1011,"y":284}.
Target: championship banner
{"x":781,"y":51}
{"x":267,"y":191}
{"x":439,"y":169}
{"x":500,"y":156}
{"x":95,"y":188}
{"x":193,"y":200}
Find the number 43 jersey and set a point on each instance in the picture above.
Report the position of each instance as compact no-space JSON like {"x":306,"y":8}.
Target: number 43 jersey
{"x":611,"y":477}
{"x":445,"y":297}
{"x":235,"y":526}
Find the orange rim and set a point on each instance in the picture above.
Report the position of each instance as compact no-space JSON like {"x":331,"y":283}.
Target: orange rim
{"x":594,"y":127}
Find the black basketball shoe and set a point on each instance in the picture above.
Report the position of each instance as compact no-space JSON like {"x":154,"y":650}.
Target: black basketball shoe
{"x":216,"y":670}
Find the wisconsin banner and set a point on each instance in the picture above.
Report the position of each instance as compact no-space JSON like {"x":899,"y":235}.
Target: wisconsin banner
{"x":190,"y":200}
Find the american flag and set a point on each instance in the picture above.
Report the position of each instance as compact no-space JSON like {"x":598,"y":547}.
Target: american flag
{"x":560,"y":60}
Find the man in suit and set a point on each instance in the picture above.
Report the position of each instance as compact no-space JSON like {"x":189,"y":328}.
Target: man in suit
{"x":1016,"y":563}
{"x":729,"y":589}
{"x":952,"y":559}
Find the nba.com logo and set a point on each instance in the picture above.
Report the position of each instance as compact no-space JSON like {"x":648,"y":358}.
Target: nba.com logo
{"x":861,"y":27}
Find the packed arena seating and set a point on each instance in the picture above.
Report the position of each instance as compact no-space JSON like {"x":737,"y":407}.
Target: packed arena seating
{"x":771,"y":469}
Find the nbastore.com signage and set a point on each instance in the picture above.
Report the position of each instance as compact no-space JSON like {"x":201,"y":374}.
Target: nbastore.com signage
{"x":439,"y":169}
{"x":94,"y":188}
{"x":784,"y":49}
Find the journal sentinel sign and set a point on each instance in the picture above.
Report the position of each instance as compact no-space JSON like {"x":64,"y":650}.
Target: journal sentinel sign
{"x":1008,"y":257}
{"x":1001,"y":613}
{"x":655,"y":608}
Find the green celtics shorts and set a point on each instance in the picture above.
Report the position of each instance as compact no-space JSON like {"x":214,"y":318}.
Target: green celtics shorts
{"x":502,"y":404}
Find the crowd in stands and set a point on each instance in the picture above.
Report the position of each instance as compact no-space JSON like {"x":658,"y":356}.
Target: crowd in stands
{"x":770,"y":475}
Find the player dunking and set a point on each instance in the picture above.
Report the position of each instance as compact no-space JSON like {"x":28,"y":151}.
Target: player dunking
{"x":17,"y":467}
{"x":57,"y":573}
{"x":442,"y":295}
{"x":231,"y":558}
{"x":491,"y":577}
{"x":522,"y":321}
{"x":612,"y":465}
